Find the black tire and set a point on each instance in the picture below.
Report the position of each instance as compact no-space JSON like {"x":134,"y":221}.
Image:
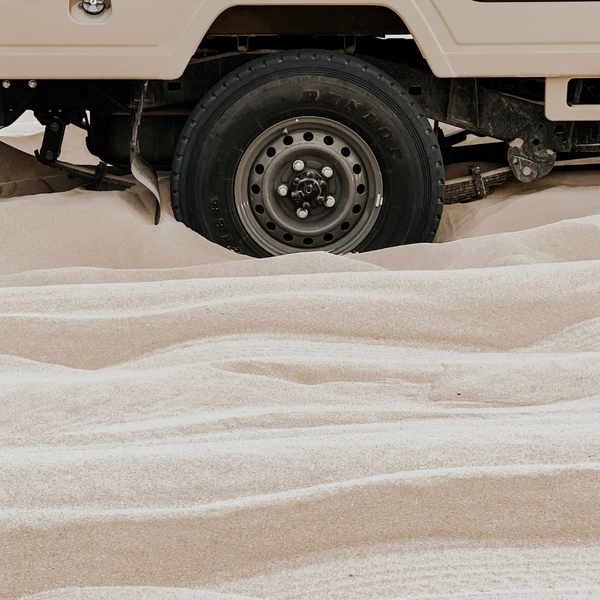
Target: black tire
{"x":325,"y":109}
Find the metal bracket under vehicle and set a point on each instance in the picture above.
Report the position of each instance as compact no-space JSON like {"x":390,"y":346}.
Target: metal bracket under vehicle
{"x":477,"y":185}
{"x":91,"y":178}
{"x":52,"y":142}
{"x":140,"y":168}
{"x":95,"y":178}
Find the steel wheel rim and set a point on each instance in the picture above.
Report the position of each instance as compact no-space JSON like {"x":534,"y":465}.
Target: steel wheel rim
{"x":356,"y":185}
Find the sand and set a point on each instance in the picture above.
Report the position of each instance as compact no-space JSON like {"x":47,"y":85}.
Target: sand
{"x":183,"y":423}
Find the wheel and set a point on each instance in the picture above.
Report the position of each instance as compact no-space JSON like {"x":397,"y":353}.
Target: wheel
{"x":308,"y":150}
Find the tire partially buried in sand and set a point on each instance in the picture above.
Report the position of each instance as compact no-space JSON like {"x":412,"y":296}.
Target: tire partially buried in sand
{"x":308,"y":150}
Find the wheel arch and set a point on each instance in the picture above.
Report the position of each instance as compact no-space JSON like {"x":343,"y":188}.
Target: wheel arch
{"x":247,"y":19}
{"x":288,"y":19}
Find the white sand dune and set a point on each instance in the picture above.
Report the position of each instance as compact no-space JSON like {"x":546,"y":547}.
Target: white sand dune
{"x":134,"y":593}
{"x":183,"y":423}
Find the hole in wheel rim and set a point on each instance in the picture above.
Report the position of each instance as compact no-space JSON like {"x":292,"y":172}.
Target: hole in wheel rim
{"x":328,"y":140}
{"x":255,"y":189}
{"x":271,"y":152}
{"x":345,"y":151}
{"x":308,"y":137}
{"x":260,"y":209}
{"x":259,"y":169}
{"x":345,"y":226}
{"x":288,"y":140}
{"x":308,"y":241}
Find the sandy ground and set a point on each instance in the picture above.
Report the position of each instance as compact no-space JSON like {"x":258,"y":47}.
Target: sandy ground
{"x":182,"y":423}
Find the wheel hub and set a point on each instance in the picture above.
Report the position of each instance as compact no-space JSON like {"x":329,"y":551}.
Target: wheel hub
{"x":309,"y":187}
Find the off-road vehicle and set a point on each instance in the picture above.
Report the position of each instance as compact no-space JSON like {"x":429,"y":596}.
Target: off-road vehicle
{"x":293,"y":126}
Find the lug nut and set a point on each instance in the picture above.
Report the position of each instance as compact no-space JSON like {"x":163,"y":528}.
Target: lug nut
{"x":329,"y":202}
{"x":6,"y":84}
{"x":298,"y":165}
{"x":282,"y":190}
{"x":302,"y":213}
{"x":327,"y":172}
{"x":32,"y":84}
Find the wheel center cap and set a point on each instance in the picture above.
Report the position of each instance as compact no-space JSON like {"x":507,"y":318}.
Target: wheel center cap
{"x":309,"y":186}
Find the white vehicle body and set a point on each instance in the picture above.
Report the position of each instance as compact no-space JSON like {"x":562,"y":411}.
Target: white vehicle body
{"x":154,"y":39}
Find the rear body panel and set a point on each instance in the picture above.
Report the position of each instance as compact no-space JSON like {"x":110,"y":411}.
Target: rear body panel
{"x":154,"y":39}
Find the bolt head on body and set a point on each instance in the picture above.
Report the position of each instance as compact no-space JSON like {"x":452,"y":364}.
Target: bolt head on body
{"x":329,"y":202}
{"x":94,"y":7}
{"x":302,"y":213}
{"x":32,"y":84}
{"x":327,"y":172}
{"x":282,"y":190}
{"x":298,"y":165}
{"x":6,"y":84}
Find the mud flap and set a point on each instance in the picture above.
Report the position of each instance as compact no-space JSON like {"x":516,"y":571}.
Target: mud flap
{"x":140,"y":168}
